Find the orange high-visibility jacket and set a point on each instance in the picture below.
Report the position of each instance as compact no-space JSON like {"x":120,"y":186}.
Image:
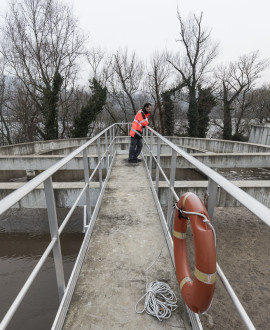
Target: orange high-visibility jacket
{"x":139,"y":121}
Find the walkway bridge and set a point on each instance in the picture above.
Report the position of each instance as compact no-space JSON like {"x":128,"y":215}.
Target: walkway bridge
{"x":125,"y":222}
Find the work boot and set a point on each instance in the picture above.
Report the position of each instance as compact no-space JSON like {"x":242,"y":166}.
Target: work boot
{"x":133,"y":161}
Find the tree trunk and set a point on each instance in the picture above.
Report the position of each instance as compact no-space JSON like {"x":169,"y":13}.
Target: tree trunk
{"x":227,"y":129}
{"x":192,"y":114}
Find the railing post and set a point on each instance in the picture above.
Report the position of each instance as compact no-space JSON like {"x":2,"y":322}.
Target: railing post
{"x":146,"y":148}
{"x":113,"y":139}
{"x":87,"y":191}
{"x":52,"y":216}
{"x":106,"y":156}
{"x":84,"y":219}
{"x":212,"y":197}
{"x":99,"y":168}
{"x":110,"y":157}
{"x":172,"y":180}
{"x":151,"y":150}
{"x":158,"y":162}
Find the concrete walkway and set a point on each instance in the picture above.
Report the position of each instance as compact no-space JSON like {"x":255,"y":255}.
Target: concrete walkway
{"x":127,"y":237}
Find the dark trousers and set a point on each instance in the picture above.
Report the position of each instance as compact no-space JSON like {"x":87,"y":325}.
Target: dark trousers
{"x":135,"y":148}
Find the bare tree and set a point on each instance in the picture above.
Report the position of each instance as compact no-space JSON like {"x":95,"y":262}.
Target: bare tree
{"x":260,"y":104}
{"x":236,"y":81}
{"x":125,"y":82}
{"x":41,"y":43}
{"x":96,"y":57}
{"x":158,"y":75}
{"x":4,"y":120}
{"x":194,"y":63}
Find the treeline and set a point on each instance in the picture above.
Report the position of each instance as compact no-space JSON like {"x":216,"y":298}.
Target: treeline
{"x":42,"y":48}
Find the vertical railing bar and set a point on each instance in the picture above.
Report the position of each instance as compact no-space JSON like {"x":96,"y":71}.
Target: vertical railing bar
{"x":86,"y":181}
{"x":113,"y":139}
{"x":144,"y":146}
{"x":150,"y":152}
{"x":157,"y":167}
{"x":100,"y":165}
{"x":147,"y":142}
{"x":106,"y":157}
{"x":211,"y":198}
{"x":52,"y":216}
{"x":110,"y":157}
{"x":172,"y":180}
{"x":84,"y":218}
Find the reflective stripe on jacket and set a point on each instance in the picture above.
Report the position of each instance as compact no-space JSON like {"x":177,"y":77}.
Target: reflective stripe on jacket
{"x":139,"y":121}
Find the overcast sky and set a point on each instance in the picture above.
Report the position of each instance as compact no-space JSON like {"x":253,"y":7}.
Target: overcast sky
{"x":241,"y":26}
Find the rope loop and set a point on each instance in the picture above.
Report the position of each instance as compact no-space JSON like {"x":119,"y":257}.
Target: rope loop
{"x":160,"y":300}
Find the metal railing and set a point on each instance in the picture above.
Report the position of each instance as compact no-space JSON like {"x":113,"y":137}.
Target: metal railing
{"x":108,"y":157}
{"x":214,"y":180}
{"x":45,"y":178}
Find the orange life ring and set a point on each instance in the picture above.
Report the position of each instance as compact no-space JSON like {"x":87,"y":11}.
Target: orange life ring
{"x":197,"y":293}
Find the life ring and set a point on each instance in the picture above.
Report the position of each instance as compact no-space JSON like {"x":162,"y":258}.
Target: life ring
{"x":197,"y":293}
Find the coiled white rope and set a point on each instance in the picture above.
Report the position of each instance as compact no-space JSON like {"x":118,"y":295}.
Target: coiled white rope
{"x":160,"y":300}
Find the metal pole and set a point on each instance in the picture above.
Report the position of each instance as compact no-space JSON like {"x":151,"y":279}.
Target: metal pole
{"x":146,"y":149}
{"x":151,"y":149}
{"x":212,"y":197}
{"x":87,"y":191}
{"x":99,"y":168}
{"x":58,"y":262}
{"x":113,"y":139}
{"x":110,"y":157}
{"x":106,"y":147}
{"x":172,"y":180}
{"x":158,"y":162}
{"x":84,"y":219}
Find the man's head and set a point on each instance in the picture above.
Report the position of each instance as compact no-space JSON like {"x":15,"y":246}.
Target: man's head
{"x":147,"y":107}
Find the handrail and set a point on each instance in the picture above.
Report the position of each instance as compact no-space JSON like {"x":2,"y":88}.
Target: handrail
{"x":61,"y":228}
{"x":245,"y":199}
{"x":45,"y":177}
{"x":260,"y":210}
{"x":18,"y":194}
{"x":223,"y":278}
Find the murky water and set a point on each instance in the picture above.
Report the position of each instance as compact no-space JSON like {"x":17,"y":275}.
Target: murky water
{"x":19,"y":253}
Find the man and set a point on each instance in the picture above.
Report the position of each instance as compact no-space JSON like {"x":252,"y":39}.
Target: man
{"x":139,"y":121}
